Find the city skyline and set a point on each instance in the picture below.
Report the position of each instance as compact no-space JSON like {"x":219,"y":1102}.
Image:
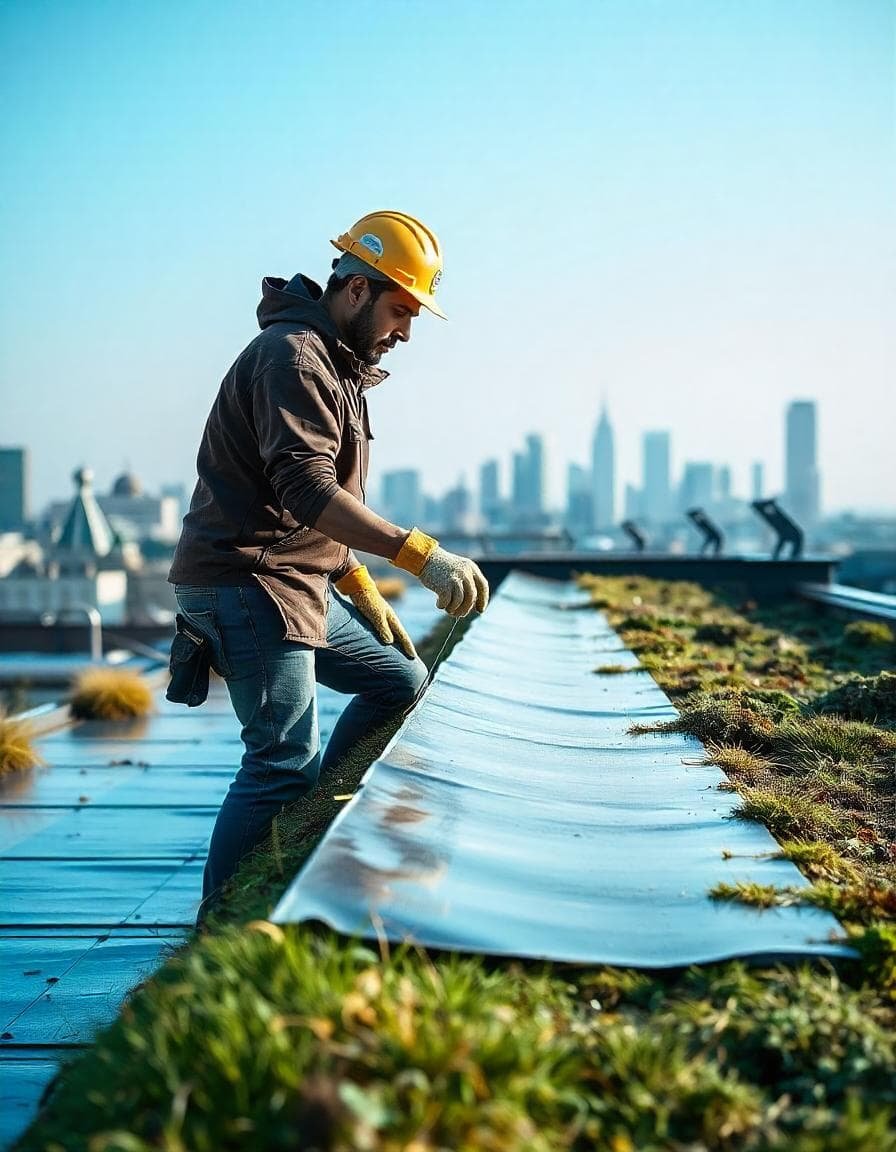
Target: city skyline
{"x":662,"y":473}
{"x":685,"y":207}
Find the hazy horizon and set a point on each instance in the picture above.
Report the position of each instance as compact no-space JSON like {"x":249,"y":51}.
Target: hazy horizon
{"x":684,"y":207}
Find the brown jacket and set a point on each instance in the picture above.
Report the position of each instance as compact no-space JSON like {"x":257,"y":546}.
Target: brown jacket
{"x":288,"y":428}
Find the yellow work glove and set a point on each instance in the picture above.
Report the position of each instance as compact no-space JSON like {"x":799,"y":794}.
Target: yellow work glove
{"x":456,"y":580}
{"x":361,"y":589}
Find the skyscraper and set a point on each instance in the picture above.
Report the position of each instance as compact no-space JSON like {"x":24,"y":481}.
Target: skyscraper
{"x":401,"y":495}
{"x":518,"y":485}
{"x":801,"y":485}
{"x":579,"y":515}
{"x":535,"y":455}
{"x":14,"y":469}
{"x":457,"y":508}
{"x":633,"y":502}
{"x":657,"y":491}
{"x":758,"y":481}
{"x":698,"y":486}
{"x":528,"y":481}
{"x":604,"y":474}
{"x":489,"y":491}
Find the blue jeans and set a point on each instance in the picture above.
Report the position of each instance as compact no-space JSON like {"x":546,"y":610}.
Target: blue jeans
{"x":271,"y":682}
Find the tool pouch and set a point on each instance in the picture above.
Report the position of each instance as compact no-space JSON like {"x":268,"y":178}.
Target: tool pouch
{"x":188,"y":665}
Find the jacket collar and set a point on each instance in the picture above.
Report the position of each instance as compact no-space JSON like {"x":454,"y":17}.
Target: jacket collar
{"x":298,"y":301}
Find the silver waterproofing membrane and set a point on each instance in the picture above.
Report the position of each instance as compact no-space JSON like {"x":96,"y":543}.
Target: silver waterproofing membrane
{"x":514,"y":814}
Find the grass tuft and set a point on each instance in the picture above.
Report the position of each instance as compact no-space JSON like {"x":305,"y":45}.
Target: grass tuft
{"x":746,"y":892}
{"x":17,"y":751}
{"x":110,"y":694}
{"x":743,"y":766}
{"x":789,"y":813}
{"x":818,"y":860}
{"x":868,"y":698}
{"x":807,"y":740}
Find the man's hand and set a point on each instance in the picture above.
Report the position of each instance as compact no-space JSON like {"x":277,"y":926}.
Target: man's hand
{"x":361,"y":589}
{"x":456,"y":580}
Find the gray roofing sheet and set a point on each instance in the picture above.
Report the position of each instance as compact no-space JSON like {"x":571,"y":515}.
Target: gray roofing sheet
{"x":513,"y":814}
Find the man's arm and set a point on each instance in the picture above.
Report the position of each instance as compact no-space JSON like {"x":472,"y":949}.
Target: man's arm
{"x":298,"y":430}
{"x":456,"y":580}
{"x":348,"y":521}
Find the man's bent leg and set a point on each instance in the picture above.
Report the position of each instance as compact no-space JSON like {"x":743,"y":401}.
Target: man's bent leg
{"x":271,"y":685}
{"x":355,"y":660}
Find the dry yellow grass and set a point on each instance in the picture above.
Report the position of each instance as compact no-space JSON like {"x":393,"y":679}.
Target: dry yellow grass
{"x":17,"y":753}
{"x":110,"y":694}
{"x":391,"y":587}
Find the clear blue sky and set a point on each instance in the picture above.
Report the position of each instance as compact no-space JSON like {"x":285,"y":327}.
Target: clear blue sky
{"x":687,"y":206}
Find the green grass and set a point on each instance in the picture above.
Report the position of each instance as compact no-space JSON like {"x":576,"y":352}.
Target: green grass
{"x":284,"y":1039}
{"x":257,"y":1037}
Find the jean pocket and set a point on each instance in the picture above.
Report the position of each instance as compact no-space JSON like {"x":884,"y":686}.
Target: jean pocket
{"x":188,"y":666}
{"x":205,"y":621}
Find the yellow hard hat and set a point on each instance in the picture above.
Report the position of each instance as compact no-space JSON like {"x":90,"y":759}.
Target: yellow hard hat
{"x":399,"y":247}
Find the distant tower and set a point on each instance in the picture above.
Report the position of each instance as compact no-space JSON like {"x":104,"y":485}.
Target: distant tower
{"x":579,"y":513}
{"x":801,"y":486}
{"x":457,"y":508}
{"x":535,"y":454}
{"x":604,"y":474}
{"x":402,"y":495}
{"x":87,"y":538}
{"x":528,"y":482}
{"x":698,"y":486}
{"x":657,"y":490}
{"x":758,"y":481}
{"x":489,"y":491}
{"x":14,"y":469}
{"x":518,"y":484}
{"x":633,"y":502}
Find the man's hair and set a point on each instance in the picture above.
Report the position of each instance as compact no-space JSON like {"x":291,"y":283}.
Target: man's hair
{"x":377,"y":287}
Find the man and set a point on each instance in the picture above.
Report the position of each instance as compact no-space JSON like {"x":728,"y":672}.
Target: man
{"x":277,"y":509}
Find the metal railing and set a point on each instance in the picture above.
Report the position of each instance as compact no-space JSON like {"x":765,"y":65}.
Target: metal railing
{"x":859,"y":601}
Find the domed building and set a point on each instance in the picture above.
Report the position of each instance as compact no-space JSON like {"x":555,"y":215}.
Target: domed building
{"x":133,"y":515}
{"x":127,"y":486}
{"x":85,"y":566}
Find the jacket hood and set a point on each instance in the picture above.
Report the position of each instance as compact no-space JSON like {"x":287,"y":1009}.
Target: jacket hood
{"x":297,"y":301}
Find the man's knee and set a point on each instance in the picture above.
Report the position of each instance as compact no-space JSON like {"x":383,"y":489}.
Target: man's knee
{"x":407,"y":679}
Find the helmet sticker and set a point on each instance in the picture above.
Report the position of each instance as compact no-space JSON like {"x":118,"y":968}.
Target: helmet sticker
{"x":435,"y":282}
{"x":373,"y":243}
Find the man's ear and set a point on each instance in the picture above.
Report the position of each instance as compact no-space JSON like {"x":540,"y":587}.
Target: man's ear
{"x":357,"y":288}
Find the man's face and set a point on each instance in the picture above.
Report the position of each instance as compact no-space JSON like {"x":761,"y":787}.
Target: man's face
{"x":375,"y":326}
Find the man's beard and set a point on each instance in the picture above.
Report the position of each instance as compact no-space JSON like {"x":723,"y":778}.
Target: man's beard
{"x":360,"y":335}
